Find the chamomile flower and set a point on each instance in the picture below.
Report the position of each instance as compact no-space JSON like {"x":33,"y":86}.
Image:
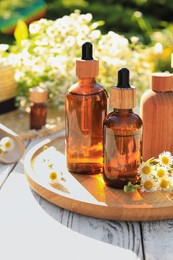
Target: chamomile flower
{"x":53,"y":177}
{"x":164,"y":184}
{"x":145,"y":169}
{"x":166,"y":159}
{"x":161,"y":172}
{"x":7,"y":143}
{"x":149,"y":185}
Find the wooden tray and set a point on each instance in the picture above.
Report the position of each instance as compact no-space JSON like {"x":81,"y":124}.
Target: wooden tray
{"x":87,"y":194}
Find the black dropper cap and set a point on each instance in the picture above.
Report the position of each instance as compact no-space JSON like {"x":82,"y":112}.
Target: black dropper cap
{"x":123,"y":96}
{"x":123,"y":78}
{"x":87,"y":66}
{"x":87,"y":51}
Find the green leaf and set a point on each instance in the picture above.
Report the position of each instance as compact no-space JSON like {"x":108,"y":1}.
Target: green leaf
{"x":21,"y":32}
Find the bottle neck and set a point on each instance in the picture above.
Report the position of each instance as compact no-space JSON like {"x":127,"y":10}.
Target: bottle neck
{"x":87,"y":81}
{"x":123,"y":111}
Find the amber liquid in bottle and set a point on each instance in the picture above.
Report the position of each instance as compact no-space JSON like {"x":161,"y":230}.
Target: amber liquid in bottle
{"x":122,"y":135}
{"x":85,"y":110}
{"x":122,"y":147}
{"x":38,"y":115}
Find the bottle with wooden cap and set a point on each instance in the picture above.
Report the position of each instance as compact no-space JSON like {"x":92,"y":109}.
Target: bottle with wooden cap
{"x":156,"y":108}
{"x":38,"y":107}
{"x":122,"y":135}
{"x":85,"y":110}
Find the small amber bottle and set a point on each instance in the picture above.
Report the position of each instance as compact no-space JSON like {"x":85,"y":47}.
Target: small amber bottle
{"x":38,"y":107}
{"x":85,"y":110}
{"x":122,"y":135}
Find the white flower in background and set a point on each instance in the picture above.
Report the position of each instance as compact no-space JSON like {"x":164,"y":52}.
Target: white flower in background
{"x":49,"y":41}
{"x":134,"y":39}
{"x":4,"y":47}
{"x":34,"y":28}
{"x":69,"y":41}
{"x":95,"y":34}
{"x":19,"y":75}
{"x":158,"y":48}
{"x":51,"y":31}
{"x":7,"y":144}
{"x":83,"y":18}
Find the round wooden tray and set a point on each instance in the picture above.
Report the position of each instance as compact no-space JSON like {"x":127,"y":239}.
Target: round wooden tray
{"x":87,"y":194}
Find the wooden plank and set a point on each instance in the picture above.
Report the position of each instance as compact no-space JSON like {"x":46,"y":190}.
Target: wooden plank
{"x":158,"y":239}
{"x":88,"y":194}
{"x":30,"y":229}
{"x":5,"y":170}
{"x":28,"y":223}
{"x":125,"y":235}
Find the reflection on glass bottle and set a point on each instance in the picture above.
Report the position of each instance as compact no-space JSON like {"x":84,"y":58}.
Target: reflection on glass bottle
{"x":85,"y":110}
{"x":122,"y":135}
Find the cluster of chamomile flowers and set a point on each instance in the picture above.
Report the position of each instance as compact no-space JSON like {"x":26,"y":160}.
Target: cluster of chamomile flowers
{"x":157,"y":174}
{"x":6,"y":145}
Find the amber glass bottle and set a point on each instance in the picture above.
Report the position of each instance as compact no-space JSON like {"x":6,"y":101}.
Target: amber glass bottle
{"x":38,"y":108}
{"x":122,"y":135}
{"x":85,"y":110}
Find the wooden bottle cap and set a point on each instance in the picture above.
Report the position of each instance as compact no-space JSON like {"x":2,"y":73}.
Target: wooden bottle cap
{"x":162,"y":82}
{"x":123,"y":98}
{"x":38,"y":95}
{"x":87,"y":68}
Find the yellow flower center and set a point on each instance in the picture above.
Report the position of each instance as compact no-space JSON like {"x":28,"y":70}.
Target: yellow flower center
{"x":53,"y":175}
{"x":148,"y":185}
{"x":160,"y":173}
{"x":165,"y":160}
{"x":164,"y":184}
{"x":7,"y":145}
{"x":146,"y":170}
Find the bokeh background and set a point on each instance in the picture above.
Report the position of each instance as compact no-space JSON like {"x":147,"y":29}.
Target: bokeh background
{"x":42,"y":39}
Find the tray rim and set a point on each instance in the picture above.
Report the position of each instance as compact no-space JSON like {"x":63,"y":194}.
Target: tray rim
{"x":61,"y":199}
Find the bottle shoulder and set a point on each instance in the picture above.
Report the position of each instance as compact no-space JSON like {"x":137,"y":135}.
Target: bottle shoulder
{"x":87,"y":89}
{"x":131,"y":120}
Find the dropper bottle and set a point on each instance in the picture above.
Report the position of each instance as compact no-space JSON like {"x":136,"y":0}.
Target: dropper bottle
{"x":122,"y":135}
{"x":85,"y":110}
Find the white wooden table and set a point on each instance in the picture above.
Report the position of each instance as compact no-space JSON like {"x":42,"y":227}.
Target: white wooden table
{"x":33,"y":228}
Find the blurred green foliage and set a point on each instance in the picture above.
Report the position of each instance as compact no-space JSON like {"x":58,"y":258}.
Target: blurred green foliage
{"x":150,"y":20}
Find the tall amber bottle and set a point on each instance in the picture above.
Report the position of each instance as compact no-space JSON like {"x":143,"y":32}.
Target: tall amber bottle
{"x":85,"y":110}
{"x":122,"y":135}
